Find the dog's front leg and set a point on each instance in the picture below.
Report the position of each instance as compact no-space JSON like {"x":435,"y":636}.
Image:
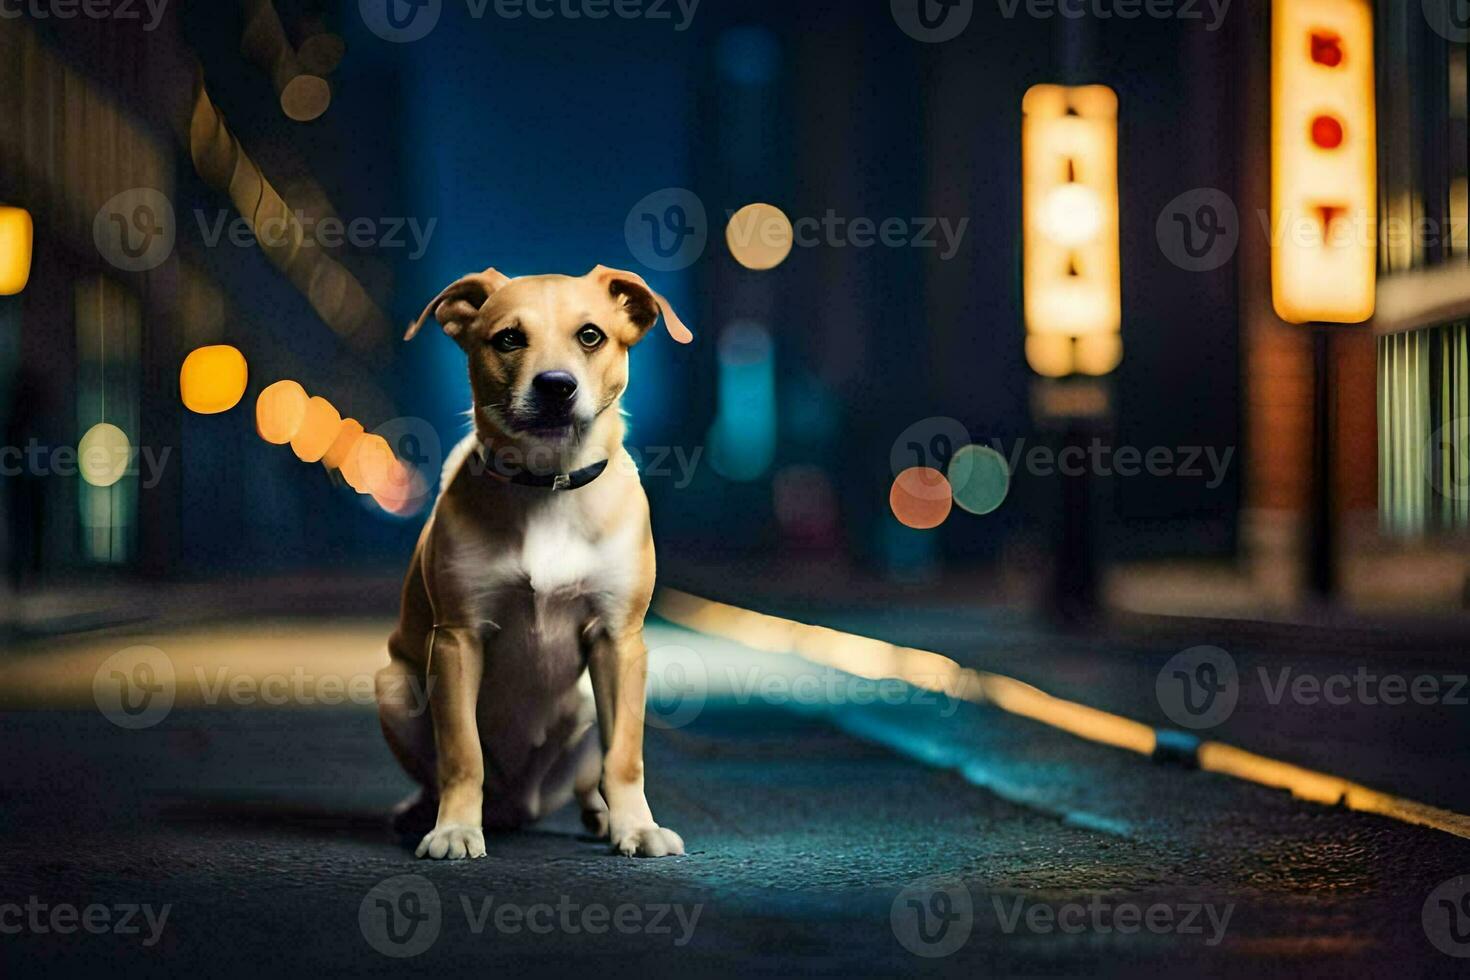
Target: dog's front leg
{"x":619,"y":668}
{"x":456,"y":665}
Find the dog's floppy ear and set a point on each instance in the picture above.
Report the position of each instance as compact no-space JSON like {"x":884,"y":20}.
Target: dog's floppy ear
{"x":643,"y":304}
{"x":457,"y":305}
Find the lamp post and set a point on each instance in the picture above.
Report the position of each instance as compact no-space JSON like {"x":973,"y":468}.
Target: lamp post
{"x":1324,"y":223}
{"x":1072,"y":296}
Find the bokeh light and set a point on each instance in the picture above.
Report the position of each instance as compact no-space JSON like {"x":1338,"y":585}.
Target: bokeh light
{"x":1098,"y":354}
{"x":17,"y":233}
{"x":213,"y":379}
{"x":305,"y":98}
{"x":368,"y":464}
{"x":928,"y":442}
{"x":1072,"y":284}
{"x":980,"y":479}
{"x":1049,"y":354}
{"x":318,"y":430}
{"x":743,"y":436}
{"x":279,"y":412}
{"x":1071,"y":215}
{"x":759,"y":236}
{"x":402,"y":491}
{"x":103,"y":454}
{"x":321,"y":51}
{"x":921,"y":498}
{"x":348,"y":436}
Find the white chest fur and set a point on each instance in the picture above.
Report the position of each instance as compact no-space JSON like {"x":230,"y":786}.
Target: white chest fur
{"x":561,"y":551}
{"x":557,"y":555}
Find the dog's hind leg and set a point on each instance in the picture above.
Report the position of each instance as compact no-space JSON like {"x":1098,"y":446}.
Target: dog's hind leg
{"x":404,"y":716}
{"x":587,"y":785}
{"x":576,"y":774}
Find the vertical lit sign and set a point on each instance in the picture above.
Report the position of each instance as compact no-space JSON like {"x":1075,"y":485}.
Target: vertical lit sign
{"x":1324,"y":194}
{"x":16,"y":233}
{"x":1074,"y":308}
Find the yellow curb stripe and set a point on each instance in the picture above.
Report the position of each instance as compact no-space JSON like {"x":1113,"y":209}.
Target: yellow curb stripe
{"x":1318,"y":787}
{"x":877,"y":660}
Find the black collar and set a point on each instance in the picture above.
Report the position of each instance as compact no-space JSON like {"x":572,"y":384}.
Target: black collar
{"x":574,"y":480}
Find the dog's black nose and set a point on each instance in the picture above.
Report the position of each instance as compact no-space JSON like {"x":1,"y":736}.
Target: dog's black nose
{"x":555,"y":386}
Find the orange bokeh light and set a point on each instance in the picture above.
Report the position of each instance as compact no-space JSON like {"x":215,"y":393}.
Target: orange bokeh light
{"x":212,"y":379}
{"x":760,"y":236}
{"x":279,"y":411}
{"x":1072,"y":284}
{"x":318,"y":430}
{"x":401,"y":491}
{"x":368,"y":463}
{"x":343,"y":446}
{"x":921,"y":498}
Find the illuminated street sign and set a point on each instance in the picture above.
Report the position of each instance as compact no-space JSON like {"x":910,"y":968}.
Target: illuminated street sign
{"x":1073,"y":301}
{"x":16,"y":233}
{"x":1324,"y":216}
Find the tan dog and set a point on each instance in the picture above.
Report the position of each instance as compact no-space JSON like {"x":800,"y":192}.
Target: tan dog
{"x":533,"y":573}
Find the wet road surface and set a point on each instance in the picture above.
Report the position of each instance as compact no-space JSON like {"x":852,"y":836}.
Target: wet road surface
{"x":845,"y":837}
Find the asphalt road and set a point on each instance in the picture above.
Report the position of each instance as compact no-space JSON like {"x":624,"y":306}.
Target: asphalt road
{"x":827,"y":836}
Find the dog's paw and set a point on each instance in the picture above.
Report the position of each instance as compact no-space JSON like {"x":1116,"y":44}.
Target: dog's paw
{"x":452,"y":841}
{"x":649,"y":842}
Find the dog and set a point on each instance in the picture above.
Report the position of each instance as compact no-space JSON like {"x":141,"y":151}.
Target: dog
{"x":523,"y":606}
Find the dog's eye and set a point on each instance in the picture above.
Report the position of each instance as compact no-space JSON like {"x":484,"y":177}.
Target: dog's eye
{"x":508,"y":340}
{"x":590,"y":336}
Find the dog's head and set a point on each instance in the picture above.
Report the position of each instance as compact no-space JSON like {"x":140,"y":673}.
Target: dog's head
{"x":548,"y":355}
